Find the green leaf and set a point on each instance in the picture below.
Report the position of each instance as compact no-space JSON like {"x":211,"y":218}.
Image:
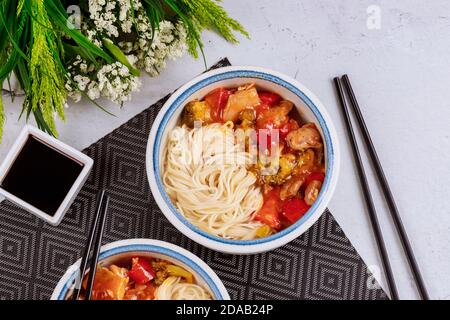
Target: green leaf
{"x":8,"y":26}
{"x":96,"y":104}
{"x":73,"y":51}
{"x":133,"y":17}
{"x":2,"y":115}
{"x":10,"y":64}
{"x":41,"y":123}
{"x":60,"y":19}
{"x":155,"y":13}
{"x":20,"y":6}
{"x":21,"y":72}
{"x":193,"y":31}
{"x":209,"y":14}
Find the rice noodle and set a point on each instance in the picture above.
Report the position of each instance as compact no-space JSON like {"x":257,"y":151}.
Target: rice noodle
{"x":206,"y":177}
{"x":173,"y":289}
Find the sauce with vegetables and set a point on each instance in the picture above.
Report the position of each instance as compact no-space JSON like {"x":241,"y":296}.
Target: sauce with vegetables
{"x":294,"y":185}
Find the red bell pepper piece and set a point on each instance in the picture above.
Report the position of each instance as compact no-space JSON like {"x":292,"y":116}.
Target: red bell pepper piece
{"x":217,"y":101}
{"x":141,"y":270}
{"x":283,"y":131}
{"x":288,"y":127}
{"x":269,"y":214}
{"x":269,"y":98}
{"x":319,"y":176}
{"x":294,"y":209}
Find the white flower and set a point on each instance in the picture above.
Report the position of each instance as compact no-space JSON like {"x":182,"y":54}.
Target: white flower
{"x":74,"y":95}
{"x":81,"y":81}
{"x":116,"y":83}
{"x":84,"y":67}
{"x":169,"y":42}
{"x":102,"y":16}
{"x":126,"y":26}
{"x":146,"y":50}
{"x":124,"y":9}
{"x":93,"y":91}
{"x":110,"y":6}
{"x":132,"y":59}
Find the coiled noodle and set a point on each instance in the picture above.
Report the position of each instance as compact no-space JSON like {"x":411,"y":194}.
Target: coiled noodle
{"x":173,"y":289}
{"x":206,"y":177}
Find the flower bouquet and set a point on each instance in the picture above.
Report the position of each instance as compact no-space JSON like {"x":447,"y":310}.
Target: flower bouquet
{"x":59,"y":49}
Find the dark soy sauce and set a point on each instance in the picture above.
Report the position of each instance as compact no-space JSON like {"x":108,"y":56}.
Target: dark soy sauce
{"x":41,"y":175}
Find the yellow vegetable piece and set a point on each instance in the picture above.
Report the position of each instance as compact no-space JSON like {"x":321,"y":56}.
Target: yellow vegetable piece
{"x":263,"y":231}
{"x":177,"y":271}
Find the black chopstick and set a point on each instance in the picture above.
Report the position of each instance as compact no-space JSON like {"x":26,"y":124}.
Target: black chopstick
{"x":94,"y":243}
{"x":386,"y":191}
{"x":367,"y":194}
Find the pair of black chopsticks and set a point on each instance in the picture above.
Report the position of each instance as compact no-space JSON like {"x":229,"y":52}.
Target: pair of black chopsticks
{"x":92,"y":250}
{"x":385,"y":187}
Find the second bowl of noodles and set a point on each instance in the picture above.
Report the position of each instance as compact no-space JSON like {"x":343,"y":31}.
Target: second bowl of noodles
{"x":143,"y":269}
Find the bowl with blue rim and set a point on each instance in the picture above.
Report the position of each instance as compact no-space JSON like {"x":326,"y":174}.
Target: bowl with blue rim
{"x":123,"y":250}
{"x":308,"y":106}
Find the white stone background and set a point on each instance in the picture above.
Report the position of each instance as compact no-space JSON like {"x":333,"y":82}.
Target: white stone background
{"x":401,"y":75}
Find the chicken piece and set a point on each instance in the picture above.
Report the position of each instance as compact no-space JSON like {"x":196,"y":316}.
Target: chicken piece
{"x":197,"y":111}
{"x":307,"y":164}
{"x":275,"y":117}
{"x":110,"y":283}
{"x":304,"y":138}
{"x":141,"y":292}
{"x":244,"y":98}
{"x":306,"y":159}
{"x":291,"y":187}
{"x":319,"y":154}
{"x":312,"y":191}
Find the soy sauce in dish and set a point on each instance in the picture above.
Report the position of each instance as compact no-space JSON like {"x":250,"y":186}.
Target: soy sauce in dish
{"x":41,"y":175}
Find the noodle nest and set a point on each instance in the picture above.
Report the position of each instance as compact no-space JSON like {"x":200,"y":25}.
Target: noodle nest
{"x":205,"y":174}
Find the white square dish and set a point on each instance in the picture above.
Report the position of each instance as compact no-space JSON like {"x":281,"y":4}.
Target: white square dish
{"x":55,"y":144}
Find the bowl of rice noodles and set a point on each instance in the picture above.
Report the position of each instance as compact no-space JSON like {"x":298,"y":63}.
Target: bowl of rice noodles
{"x":242,"y":159}
{"x":143,"y":269}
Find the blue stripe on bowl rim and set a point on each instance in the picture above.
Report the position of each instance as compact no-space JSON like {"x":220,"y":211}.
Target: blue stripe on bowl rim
{"x":226,"y":76}
{"x":152,"y":249}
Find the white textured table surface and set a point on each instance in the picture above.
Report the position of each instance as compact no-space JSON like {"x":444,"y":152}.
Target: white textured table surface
{"x":401,"y":76}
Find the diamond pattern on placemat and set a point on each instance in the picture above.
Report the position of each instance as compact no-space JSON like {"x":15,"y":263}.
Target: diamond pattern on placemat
{"x":321,"y":264}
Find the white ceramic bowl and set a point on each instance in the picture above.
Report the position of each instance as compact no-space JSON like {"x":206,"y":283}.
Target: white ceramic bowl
{"x":309,"y":107}
{"x":125,"y":249}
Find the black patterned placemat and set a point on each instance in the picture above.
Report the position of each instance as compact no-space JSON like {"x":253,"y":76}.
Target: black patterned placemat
{"x":321,"y":264}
